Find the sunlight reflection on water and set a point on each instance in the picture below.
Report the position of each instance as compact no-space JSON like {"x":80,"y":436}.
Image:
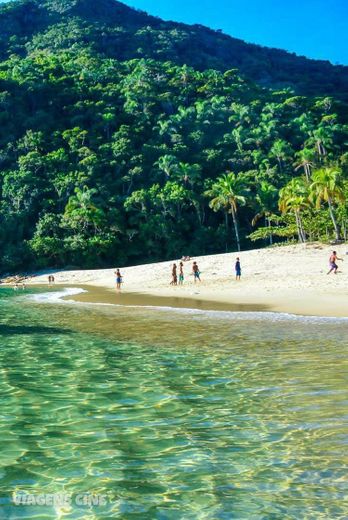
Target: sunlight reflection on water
{"x":172,"y":414}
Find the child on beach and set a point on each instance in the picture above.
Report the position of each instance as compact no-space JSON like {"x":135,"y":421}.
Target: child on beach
{"x":238,"y":269}
{"x":174,"y":275}
{"x":332,"y":262}
{"x":118,"y":279}
{"x":196,"y":273}
{"x":181,"y":273}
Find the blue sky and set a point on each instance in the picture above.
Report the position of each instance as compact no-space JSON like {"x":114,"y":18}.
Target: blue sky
{"x":314,"y":28}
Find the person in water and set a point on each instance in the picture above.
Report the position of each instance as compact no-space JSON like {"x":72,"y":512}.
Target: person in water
{"x":118,"y":279}
{"x":238,"y":269}
{"x":196,"y":273}
{"x":174,"y":275}
{"x":332,"y":262}
{"x":181,"y":273}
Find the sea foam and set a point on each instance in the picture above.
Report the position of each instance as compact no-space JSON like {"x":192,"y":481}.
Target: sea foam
{"x":56,"y":296}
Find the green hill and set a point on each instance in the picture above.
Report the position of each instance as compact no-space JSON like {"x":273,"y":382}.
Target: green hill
{"x":117,"y":31}
{"x":124,"y":138}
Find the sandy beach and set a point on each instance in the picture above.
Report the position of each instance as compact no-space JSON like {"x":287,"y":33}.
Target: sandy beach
{"x":281,"y":279}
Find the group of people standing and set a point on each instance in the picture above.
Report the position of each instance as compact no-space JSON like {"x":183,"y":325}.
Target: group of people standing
{"x":178,"y":276}
{"x":179,"y":280}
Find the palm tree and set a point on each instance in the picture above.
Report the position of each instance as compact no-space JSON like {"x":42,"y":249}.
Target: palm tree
{"x":280,"y":150}
{"x":266,"y":200}
{"x":81,"y":211}
{"x":322,"y":138}
{"x":167,"y":163}
{"x":228,"y":192}
{"x":327,"y":186}
{"x":305,"y":161}
{"x":188,"y":173}
{"x":237,"y":134}
{"x":293,"y":198}
{"x":241,"y":114}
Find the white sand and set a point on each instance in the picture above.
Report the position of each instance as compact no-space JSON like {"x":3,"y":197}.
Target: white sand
{"x":286,"y":279}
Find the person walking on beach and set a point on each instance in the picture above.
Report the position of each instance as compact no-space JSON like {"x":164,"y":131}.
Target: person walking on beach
{"x":332,"y":262}
{"x":118,"y":279}
{"x":174,"y":275}
{"x":238,"y":269}
{"x":196,"y":273}
{"x":181,"y":273}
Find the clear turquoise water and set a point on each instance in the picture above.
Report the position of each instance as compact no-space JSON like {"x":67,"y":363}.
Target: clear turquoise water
{"x":172,"y":415}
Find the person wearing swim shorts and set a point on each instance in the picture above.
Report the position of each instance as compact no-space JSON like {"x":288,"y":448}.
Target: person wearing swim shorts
{"x":181,"y":273}
{"x":118,"y":279}
{"x":332,"y":262}
{"x":238,"y":269}
{"x":196,"y":273}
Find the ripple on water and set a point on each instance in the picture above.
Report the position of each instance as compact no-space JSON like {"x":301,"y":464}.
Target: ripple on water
{"x":173,"y":416}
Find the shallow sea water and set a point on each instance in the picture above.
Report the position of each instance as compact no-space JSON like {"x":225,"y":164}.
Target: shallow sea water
{"x":171,"y":414}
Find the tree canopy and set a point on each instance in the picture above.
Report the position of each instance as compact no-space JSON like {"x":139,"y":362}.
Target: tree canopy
{"x":111,"y":160}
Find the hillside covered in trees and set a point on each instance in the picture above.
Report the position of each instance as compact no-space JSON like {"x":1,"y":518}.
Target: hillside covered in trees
{"x":113,"y":30}
{"x":125,"y":139}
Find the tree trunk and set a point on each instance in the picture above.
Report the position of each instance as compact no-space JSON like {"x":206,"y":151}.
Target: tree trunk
{"x":270,"y":235}
{"x":300,"y":230}
{"x":226,"y":226}
{"x":198,"y":213}
{"x":307,"y":172}
{"x":334,"y":221}
{"x":298,"y":227}
{"x":303,"y":233}
{"x":235,"y":223}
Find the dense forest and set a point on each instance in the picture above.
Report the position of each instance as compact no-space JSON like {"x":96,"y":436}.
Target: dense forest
{"x":126,"y":139}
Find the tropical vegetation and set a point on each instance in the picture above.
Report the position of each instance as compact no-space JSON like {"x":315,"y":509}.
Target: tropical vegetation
{"x":110,"y":155}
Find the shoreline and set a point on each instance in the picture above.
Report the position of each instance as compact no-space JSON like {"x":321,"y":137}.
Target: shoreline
{"x":308,"y":306}
{"x":288,"y":279}
{"x":99,"y":295}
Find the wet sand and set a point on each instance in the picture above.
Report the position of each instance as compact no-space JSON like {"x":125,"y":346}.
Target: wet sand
{"x":111,"y":297}
{"x":302,"y":305}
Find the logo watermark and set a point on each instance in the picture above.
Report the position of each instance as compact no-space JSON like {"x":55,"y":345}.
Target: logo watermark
{"x":61,"y":500}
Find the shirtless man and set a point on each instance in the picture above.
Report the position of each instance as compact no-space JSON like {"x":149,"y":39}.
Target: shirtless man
{"x":332,"y":262}
{"x":196,"y":273}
